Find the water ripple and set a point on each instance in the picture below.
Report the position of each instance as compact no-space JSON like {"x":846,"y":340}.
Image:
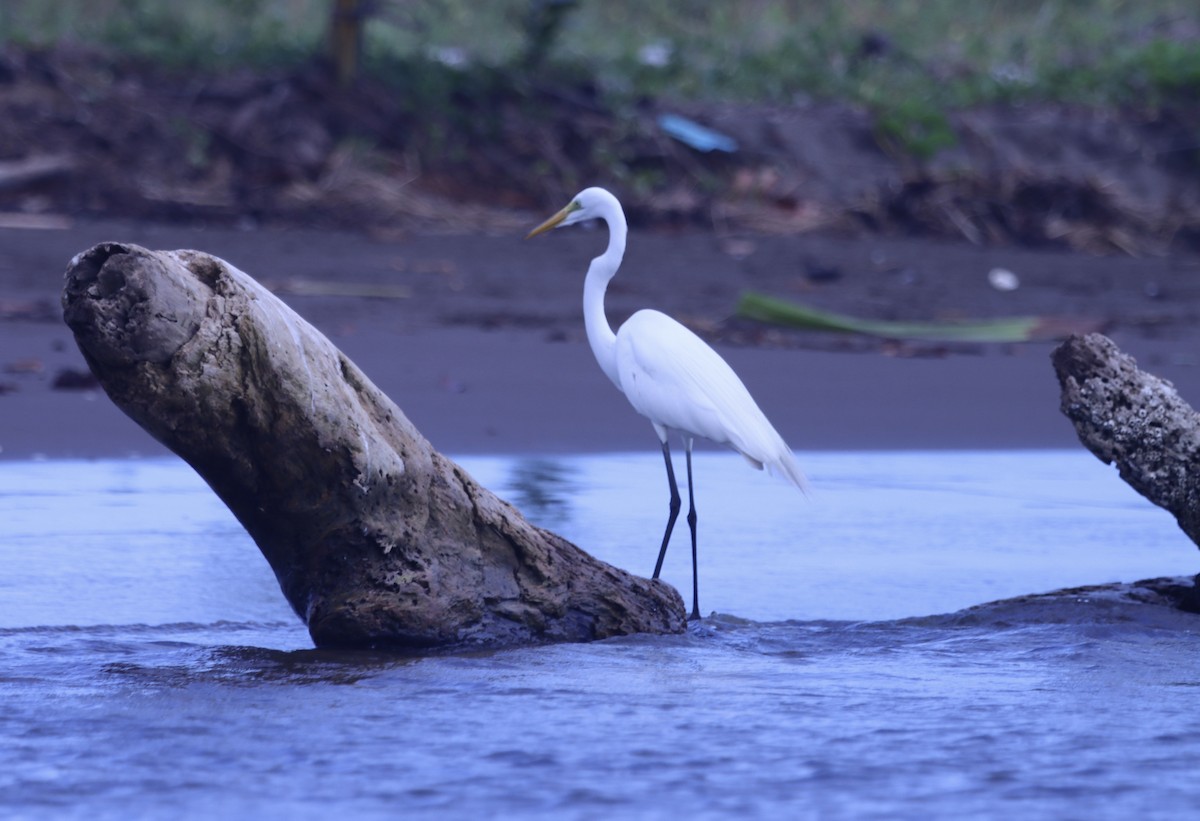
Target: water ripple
{"x":150,"y":662}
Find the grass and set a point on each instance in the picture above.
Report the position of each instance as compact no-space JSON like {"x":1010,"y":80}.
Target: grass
{"x":214,"y":35}
{"x":910,"y":61}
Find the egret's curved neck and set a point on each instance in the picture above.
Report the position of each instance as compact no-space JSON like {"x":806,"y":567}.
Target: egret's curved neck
{"x":599,"y":332}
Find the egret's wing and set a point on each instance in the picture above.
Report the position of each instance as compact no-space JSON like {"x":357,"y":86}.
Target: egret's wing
{"x":667,"y":374}
{"x":674,"y":378}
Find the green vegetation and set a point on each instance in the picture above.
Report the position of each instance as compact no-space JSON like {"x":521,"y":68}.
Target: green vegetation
{"x":216,"y":34}
{"x":910,"y":61}
{"x":1000,"y":329}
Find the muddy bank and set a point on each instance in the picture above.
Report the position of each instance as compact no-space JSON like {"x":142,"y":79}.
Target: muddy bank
{"x":268,"y":169}
{"x":480,"y":339}
{"x":86,"y":134}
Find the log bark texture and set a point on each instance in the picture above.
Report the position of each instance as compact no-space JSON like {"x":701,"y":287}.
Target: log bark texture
{"x":1134,"y":420}
{"x":376,"y":539}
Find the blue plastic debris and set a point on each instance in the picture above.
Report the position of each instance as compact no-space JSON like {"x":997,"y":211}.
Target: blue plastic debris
{"x":693,"y":134}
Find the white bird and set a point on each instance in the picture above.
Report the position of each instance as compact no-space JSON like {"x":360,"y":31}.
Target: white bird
{"x":669,"y":374}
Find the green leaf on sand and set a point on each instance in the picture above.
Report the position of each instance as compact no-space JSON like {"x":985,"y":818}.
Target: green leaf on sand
{"x":1001,"y":329}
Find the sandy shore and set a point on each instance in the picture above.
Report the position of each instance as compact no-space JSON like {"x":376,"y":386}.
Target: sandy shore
{"x":479,"y":339}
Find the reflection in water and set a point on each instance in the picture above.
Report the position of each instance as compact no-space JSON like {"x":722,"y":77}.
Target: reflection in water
{"x":254,"y":666}
{"x":882,"y":535}
{"x":541,"y":488}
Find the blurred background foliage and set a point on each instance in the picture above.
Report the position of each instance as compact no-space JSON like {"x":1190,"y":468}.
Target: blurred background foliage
{"x":284,"y":105}
{"x":889,"y":54}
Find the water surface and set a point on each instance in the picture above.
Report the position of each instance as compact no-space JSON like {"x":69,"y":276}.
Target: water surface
{"x":151,"y":666}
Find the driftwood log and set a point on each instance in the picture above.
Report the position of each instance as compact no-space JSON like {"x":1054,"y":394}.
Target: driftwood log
{"x":1138,"y":422}
{"x":1134,"y":420}
{"x":376,"y":539}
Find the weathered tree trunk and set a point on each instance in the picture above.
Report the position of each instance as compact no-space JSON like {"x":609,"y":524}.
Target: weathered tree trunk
{"x":1135,"y":420}
{"x":376,"y":539}
{"x":1139,"y":422}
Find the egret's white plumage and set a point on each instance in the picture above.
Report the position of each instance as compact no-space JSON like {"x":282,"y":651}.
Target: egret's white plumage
{"x":669,"y":375}
{"x":679,"y":383}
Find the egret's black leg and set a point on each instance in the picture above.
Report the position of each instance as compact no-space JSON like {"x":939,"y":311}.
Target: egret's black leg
{"x":691,"y":519}
{"x":675,"y":503}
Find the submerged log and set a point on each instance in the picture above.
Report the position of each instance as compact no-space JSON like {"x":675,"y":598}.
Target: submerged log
{"x":376,"y":539}
{"x":1134,"y":420}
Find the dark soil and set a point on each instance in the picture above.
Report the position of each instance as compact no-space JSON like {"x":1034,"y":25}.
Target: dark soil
{"x":85,"y":134}
{"x":406,"y":249}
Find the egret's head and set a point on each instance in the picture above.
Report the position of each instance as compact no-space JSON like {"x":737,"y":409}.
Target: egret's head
{"x":590,"y":203}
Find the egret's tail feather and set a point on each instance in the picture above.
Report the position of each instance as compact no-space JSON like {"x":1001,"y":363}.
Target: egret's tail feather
{"x":786,"y":467}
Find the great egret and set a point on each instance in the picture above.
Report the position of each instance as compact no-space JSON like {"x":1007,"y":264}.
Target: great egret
{"x":669,"y":374}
